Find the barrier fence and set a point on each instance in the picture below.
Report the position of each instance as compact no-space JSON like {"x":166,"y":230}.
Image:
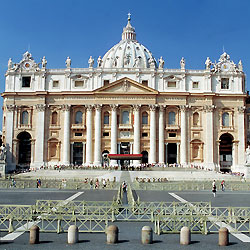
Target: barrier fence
{"x":57,"y":184}
{"x":188,"y":185}
{"x":55,"y":216}
{"x":94,"y":216}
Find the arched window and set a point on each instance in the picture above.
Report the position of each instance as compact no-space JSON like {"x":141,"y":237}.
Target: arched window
{"x":225,"y":119}
{"x":106,"y":118}
{"x":78,"y":117}
{"x":196,"y":119}
{"x":125,"y":117}
{"x":171,"y":118}
{"x":54,"y":118}
{"x":145,"y":118}
{"x":25,"y":118}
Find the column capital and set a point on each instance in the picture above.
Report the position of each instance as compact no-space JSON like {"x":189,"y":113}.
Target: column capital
{"x":241,"y":109}
{"x":209,"y":108}
{"x":153,"y":107}
{"x":113,"y":107}
{"x":162,"y":107}
{"x":89,"y":107}
{"x":65,"y":107}
{"x":136,"y":107}
{"x":98,"y":107}
{"x":10,"y":107}
{"x":184,"y":108}
{"x":40,"y":107}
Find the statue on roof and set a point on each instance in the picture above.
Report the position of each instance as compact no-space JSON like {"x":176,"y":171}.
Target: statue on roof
{"x":44,"y":62}
{"x":68,"y":62}
{"x":137,"y":62}
{"x":240,"y":66}
{"x":9,"y":64}
{"x":161,"y":63}
{"x":27,"y":56}
{"x":99,"y":61}
{"x":151,"y":62}
{"x":91,"y":62}
{"x":208,"y":63}
{"x":182,"y":63}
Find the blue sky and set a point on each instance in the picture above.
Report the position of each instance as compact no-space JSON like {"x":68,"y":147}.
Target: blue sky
{"x":56,"y":29}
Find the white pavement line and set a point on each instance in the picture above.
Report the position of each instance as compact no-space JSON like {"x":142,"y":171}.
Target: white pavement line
{"x":21,"y":230}
{"x":240,"y":236}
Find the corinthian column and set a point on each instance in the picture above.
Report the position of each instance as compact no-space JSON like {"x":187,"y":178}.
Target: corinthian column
{"x":113,"y":132}
{"x":183,"y":147}
{"x":66,"y":135}
{"x":89,"y":135}
{"x":97,"y":159}
{"x":39,"y":144}
{"x":152,"y":153}
{"x":9,"y":135}
{"x":209,"y":136}
{"x":241,"y":136}
{"x":161,"y":134}
{"x":137,"y":131}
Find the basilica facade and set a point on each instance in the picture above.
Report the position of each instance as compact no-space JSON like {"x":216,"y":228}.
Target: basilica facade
{"x":125,"y":102}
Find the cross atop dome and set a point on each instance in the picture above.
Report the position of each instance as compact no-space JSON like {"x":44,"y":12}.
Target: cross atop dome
{"x":129,"y":16}
{"x":129,"y":31}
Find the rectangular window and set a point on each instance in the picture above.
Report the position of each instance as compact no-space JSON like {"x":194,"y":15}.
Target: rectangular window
{"x":195,"y":85}
{"x":172,"y":134}
{"x":171,"y":84}
{"x":144,"y":134}
{"x":145,"y":82}
{"x":26,"y":81}
{"x":78,"y":134}
{"x":105,"y":134}
{"x":224,"y":83}
{"x":105,"y":82}
{"x":78,"y":84}
{"x":55,"y":84}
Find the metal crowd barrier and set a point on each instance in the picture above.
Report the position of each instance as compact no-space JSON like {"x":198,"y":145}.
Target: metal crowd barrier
{"x":55,"y":184}
{"x":188,"y":185}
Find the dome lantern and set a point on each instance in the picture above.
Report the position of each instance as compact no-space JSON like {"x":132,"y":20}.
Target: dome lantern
{"x":129,"y":31}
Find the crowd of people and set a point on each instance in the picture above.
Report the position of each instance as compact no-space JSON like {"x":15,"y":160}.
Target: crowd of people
{"x":143,"y":180}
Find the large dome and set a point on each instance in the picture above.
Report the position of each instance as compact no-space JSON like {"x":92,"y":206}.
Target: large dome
{"x":128,"y":53}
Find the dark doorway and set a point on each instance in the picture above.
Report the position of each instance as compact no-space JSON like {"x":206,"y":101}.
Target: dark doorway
{"x":77,"y":153}
{"x":171,"y":153}
{"x":24,"y":150}
{"x":226,"y":159}
{"x":124,"y":149}
{"x":144,"y":157}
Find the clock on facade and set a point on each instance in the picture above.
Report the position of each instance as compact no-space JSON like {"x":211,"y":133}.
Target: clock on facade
{"x":27,"y":65}
{"x":225,"y":66}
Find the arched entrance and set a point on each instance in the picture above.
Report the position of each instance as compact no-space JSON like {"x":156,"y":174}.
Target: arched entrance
{"x":144,"y":157}
{"x":225,"y":151}
{"x":105,"y":159}
{"x":24,"y":148}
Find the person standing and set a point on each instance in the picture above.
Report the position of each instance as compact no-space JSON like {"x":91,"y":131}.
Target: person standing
{"x":222,"y":185}
{"x":214,"y":188}
{"x":39,"y":183}
{"x":124,"y":186}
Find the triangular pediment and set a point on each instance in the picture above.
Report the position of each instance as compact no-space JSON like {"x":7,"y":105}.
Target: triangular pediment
{"x":125,"y":86}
